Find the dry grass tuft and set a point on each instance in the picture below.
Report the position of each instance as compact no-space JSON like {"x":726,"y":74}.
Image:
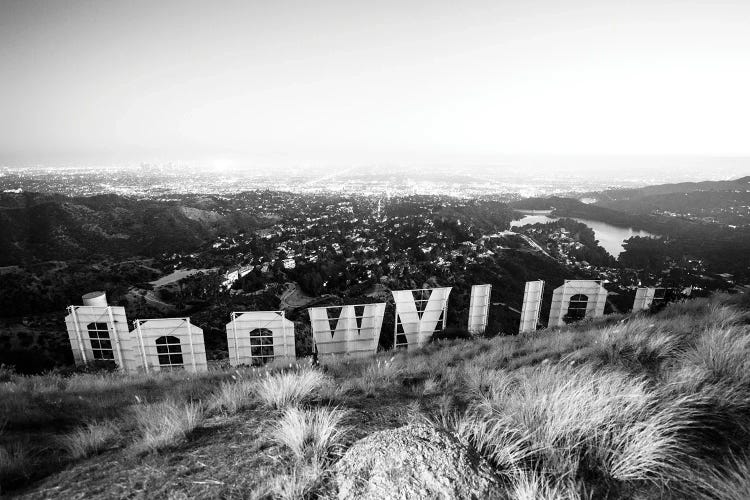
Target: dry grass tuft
{"x":303,"y":481}
{"x":232,"y":396}
{"x":89,"y":439}
{"x":722,"y":353}
{"x":529,"y":485}
{"x":505,"y":449}
{"x":165,"y":424}
{"x":575,"y":420}
{"x":369,"y":377}
{"x":312,"y":433}
{"x":730,"y":481}
{"x":651,"y":446}
{"x":289,"y":388}
{"x":16,"y":463}
{"x":639,"y":344}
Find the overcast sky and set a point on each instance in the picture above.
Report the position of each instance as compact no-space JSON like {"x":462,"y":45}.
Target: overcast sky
{"x":321,"y":81}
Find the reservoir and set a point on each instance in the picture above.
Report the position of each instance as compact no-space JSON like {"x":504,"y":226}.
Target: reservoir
{"x":610,"y":237}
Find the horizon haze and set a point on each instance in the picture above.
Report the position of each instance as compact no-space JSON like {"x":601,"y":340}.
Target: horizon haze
{"x":239,"y":84}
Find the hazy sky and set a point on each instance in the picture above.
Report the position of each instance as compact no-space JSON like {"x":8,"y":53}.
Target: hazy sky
{"x":324,"y":81}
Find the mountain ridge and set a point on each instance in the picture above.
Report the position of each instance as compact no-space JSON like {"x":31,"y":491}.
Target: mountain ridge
{"x":39,"y":226}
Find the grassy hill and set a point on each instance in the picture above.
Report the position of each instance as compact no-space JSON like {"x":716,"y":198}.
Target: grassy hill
{"x":633,"y":406}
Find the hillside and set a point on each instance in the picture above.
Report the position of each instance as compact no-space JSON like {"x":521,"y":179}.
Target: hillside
{"x":683,"y":203}
{"x":721,"y":247}
{"x":696,"y":202}
{"x":725,"y":202}
{"x":740,"y":185}
{"x":636,"y":406}
{"x":39,"y":227}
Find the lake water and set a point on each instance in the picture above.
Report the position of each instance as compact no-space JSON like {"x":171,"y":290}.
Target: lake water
{"x":610,"y":237}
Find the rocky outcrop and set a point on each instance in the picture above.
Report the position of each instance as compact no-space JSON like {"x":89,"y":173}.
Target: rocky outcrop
{"x":415,"y":461}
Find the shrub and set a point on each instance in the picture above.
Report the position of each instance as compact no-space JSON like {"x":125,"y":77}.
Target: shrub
{"x":165,"y":424}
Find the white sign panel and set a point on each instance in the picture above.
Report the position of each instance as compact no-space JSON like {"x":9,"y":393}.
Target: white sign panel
{"x":419,"y":313}
{"x":577,"y":299}
{"x":532,"y":304}
{"x":100,"y":334}
{"x":257,"y":337}
{"x":644,"y":297}
{"x":353,"y":329}
{"x":171,"y":344}
{"x":479,"y":308}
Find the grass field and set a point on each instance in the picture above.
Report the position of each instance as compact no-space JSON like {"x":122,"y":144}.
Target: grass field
{"x":642,"y":406}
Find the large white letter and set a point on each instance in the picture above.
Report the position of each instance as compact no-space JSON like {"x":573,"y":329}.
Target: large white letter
{"x":171,"y":343}
{"x":577,"y":299}
{"x":479,"y":308}
{"x":644,"y":297}
{"x":256,"y":337}
{"x":99,"y":332}
{"x":419,"y":317}
{"x":532,"y":304}
{"x":355,"y":331}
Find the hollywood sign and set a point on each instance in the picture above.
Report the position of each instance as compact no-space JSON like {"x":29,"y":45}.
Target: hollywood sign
{"x":99,"y":332}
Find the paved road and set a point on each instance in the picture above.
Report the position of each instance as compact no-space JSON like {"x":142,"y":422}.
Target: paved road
{"x":534,"y":244}
{"x":293,"y":297}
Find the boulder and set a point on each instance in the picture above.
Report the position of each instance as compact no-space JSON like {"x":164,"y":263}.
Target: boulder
{"x":415,"y":461}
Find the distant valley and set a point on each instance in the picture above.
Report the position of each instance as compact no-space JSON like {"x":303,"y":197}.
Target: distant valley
{"x":208,"y":254}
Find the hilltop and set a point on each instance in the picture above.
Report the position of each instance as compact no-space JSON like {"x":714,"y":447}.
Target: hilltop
{"x":627,"y":406}
{"x":709,"y":224}
{"x":741,"y":184}
{"x":37,"y":226}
